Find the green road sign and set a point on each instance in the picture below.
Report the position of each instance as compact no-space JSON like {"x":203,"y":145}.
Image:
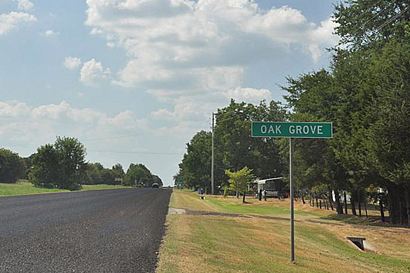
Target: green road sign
{"x":292,"y":129}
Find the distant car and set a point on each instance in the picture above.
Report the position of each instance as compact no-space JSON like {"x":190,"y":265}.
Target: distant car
{"x":155,"y":185}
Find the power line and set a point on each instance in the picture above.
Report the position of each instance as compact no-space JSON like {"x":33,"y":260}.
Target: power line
{"x":108,"y":138}
{"x":397,"y":16}
{"x":384,"y":24}
{"x":135,"y":152}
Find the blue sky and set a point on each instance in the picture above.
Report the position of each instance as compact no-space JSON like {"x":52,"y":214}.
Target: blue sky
{"x":135,"y":79}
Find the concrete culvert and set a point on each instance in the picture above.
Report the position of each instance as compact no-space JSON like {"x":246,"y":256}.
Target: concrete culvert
{"x":357,"y":241}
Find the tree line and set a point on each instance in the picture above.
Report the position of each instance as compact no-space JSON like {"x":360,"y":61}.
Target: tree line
{"x":63,"y":165}
{"x":365,"y":93}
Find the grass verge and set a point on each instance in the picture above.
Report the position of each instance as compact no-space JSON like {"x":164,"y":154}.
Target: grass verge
{"x":258,"y":240}
{"x":26,"y":188}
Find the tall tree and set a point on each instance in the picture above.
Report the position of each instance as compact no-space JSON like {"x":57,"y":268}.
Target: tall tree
{"x":138,"y":175}
{"x":235,"y":146}
{"x":12,"y":167}
{"x":196,"y":164}
{"x":60,"y":165}
{"x":46,"y":167}
{"x":72,"y":162}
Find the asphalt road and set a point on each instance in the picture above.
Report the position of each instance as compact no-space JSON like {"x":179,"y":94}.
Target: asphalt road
{"x":96,"y":231}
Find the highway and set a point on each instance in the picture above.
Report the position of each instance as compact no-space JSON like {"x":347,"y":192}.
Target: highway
{"x":96,"y":231}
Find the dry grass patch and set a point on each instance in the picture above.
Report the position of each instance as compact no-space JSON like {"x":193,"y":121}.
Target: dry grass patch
{"x":190,"y":200}
{"x":203,"y":243}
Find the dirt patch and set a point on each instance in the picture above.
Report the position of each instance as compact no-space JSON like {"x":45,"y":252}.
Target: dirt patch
{"x":176,"y":211}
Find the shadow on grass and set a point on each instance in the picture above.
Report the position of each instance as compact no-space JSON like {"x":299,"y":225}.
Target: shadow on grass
{"x":364,"y":221}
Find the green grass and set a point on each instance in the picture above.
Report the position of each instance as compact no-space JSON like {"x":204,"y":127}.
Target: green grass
{"x":233,"y":205}
{"x":203,"y":243}
{"x":240,"y":208}
{"x":24,"y":187}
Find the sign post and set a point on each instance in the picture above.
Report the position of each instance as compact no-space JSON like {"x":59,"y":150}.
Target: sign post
{"x":292,"y":130}
{"x":292,"y":207}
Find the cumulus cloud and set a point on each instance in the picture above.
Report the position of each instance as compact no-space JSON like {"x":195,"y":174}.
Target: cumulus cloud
{"x":250,"y":95}
{"x":46,"y":121}
{"x":324,"y":32}
{"x":50,"y":33}
{"x":92,"y":72}
{"x":109,"y":138}
{"x":194,"y":54}
{"x":12,"y":20}
{"x":72,"y":63}
{"x":24,"y":5}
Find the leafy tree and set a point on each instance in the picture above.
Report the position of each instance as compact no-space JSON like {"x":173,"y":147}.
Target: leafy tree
{"x":108,"y":177}
{"x":97,"y":174}
{"x":240,"y":180}
{"x":365,"y":95}
{"x":46,"y":167}
{"x":368,"y":23}
{"x":390,"y":134}
{"x":179,"y":180}
{"x":138,"y":175}
{"x":28,"y":163}
{"x":72,"y":162}
{"x":60,"y":165}
{"x":12,"y":167}
{"x":196,"y":164}
{"x":119,"y":173}
{"x":313,"y":97}
{"x":93,"y":174}
{"x":235,"y":146}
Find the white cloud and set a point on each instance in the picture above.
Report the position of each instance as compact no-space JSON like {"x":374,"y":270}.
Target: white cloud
{"x":324,"y":32}
{"x":93,"y":72}
{"x":250,"y":95}
{"x":109,"y":138}
{"x":72,"y":63}
{"x":163,"y":114}
{"x":194,"y":55}
{"x":12,"y":20}
{"x":24,"y":5}
{"x":50,"y":33}
{"x":47,"y":121}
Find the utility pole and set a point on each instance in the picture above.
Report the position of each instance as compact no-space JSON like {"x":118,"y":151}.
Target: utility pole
{"x":212,"y":156}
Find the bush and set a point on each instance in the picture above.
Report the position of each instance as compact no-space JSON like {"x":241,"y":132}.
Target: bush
{"x":12,"y":167}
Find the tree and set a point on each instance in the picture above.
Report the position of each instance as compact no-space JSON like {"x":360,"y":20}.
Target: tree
{"x":313,"y":97}
{"x":240,"y":180}
{"x":61,"y":165}
{"x":12,"y":167}
{"x":236,"y":148}
{"x":72,"y":162}
{"x":93,"y":174}
{"x":119,"y":173}
{"x":46,"y":167}
{"x":138,"y":175}
{"x":367,"y":23}
{"x":390,"y":134}
{"x":196,"y":164}
{"x":372,"y":68}
{"x":96,"y":174}
{"x":365,"y":94}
